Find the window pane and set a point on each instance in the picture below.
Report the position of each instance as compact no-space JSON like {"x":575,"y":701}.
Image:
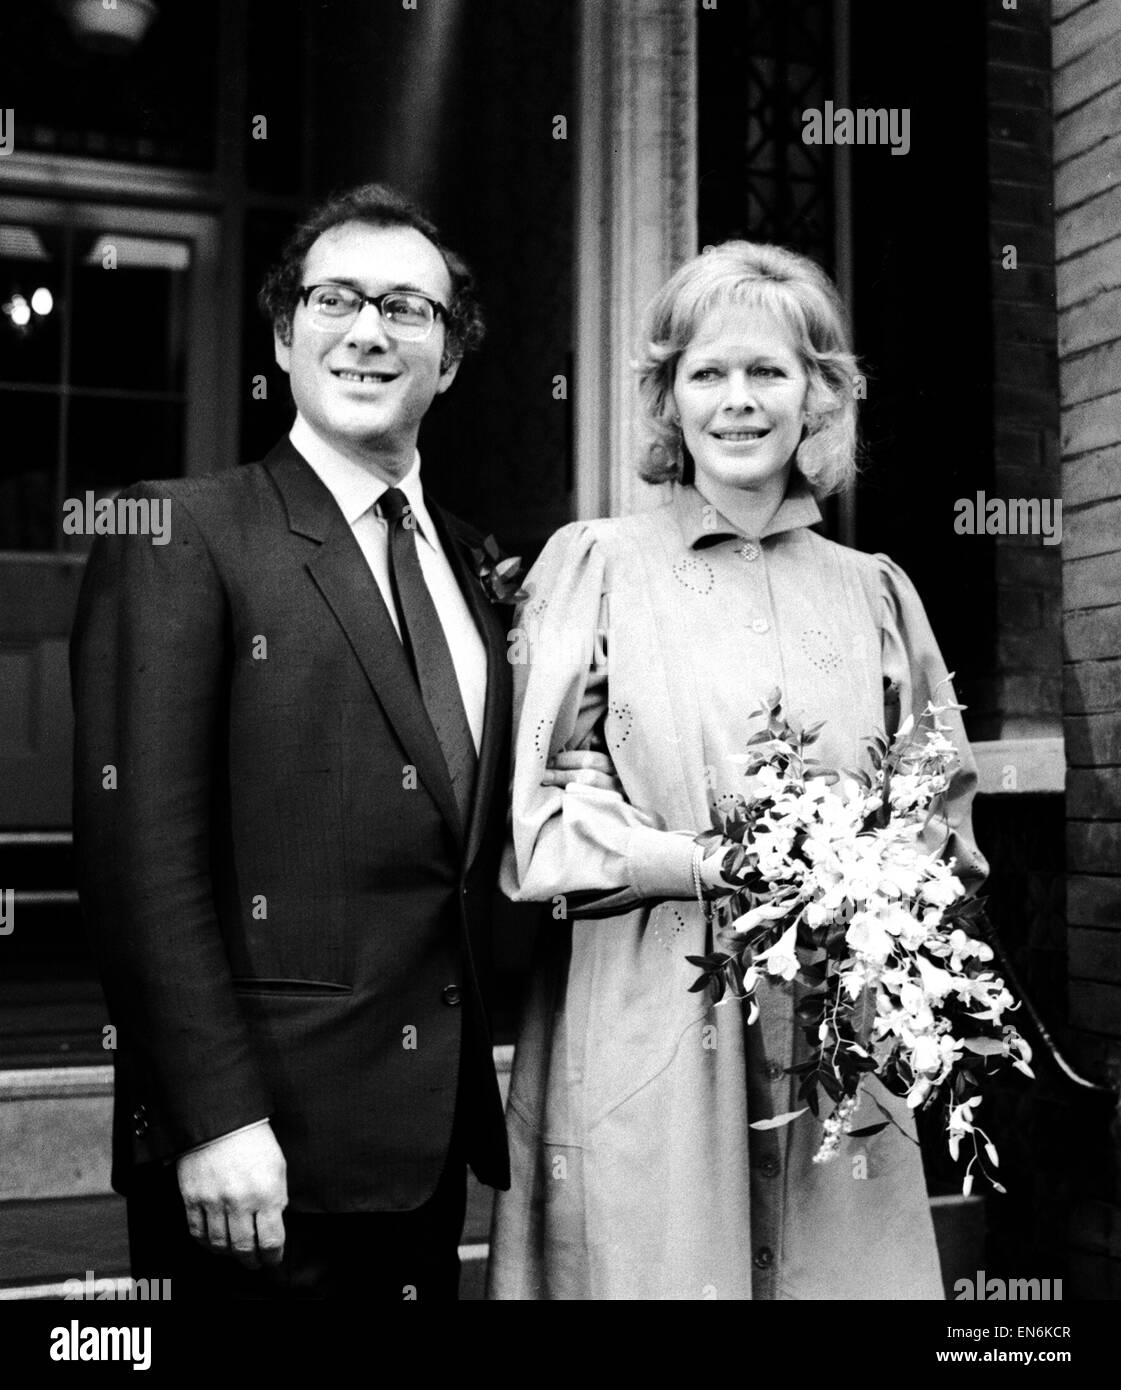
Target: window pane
{"x":30,"y":303}
{"x":130,"y":312}
{"x":28,"y":464}
{"x":114,"y":443}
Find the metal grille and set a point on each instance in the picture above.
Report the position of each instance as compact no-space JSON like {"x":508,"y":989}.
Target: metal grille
{"x":761,"y":64}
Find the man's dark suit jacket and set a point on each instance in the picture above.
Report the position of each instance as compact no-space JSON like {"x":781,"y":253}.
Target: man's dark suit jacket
{"x":288,"y":918}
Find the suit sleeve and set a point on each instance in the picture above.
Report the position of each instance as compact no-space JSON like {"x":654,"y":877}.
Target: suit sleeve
{"x":150,"y":667}
{"x":586,"y":844}
{"x":915,"y":673}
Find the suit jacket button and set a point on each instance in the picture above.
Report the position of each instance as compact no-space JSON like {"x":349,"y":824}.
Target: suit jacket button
{"x":764,"y":1257}
{"x":138,"y":1113}
{"x":140,"y":1128}
{"x":769,"y":1167}
{"x":774,"y":1070}
{"x":452,"y":994}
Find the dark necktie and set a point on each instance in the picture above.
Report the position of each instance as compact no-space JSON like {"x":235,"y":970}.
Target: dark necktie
{"x":427,"y":649}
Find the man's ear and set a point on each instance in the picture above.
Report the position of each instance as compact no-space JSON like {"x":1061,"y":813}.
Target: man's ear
{"x":282,"y":350}
{"x":447,"y":373}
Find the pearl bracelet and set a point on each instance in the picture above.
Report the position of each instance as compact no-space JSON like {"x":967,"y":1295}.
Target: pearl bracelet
{"x":698,"y":886}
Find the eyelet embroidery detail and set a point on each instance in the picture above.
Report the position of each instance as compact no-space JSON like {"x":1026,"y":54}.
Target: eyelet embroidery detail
{"x":535,"y":609}
{"x":820,"y":649}
{"x":541,"y":738}
{"x":621,"y":719}
{"x":695,"y":575}
{"x":668,"y":926}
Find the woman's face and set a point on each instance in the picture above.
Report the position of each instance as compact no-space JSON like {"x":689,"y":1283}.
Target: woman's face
{"x":740,"y":389}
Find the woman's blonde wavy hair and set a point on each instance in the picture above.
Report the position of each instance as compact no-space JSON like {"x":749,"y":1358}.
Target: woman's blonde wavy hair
{"x":794,"y":290}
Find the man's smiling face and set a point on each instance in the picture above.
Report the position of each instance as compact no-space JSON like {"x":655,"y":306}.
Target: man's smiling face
{"x":362,"y":390}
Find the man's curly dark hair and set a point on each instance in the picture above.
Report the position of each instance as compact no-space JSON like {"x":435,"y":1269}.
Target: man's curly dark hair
{"x":377,"y":206}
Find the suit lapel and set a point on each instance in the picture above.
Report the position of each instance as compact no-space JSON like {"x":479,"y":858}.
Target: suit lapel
{"x":496,"y":716}
{"x":340,"y":572}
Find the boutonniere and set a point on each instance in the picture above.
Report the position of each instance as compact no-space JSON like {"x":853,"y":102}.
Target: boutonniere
{"x":500,"y":575}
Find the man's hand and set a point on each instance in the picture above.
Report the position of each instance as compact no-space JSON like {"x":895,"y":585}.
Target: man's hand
{"x":592,"y":769}
{"x":235,"y":1191}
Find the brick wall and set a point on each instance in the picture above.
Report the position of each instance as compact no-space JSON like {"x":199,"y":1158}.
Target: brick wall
{"x":1087,"y":180}
{"x":1027,"y":660}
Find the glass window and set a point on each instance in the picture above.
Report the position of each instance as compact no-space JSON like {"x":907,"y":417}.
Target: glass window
{"x":93,"y":361}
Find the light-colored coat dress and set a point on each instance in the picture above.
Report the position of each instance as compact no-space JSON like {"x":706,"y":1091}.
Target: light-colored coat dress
{"x":635,"y":1172}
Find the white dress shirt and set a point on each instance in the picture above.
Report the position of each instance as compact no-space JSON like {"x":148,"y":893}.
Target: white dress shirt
{"x":357,"y":491}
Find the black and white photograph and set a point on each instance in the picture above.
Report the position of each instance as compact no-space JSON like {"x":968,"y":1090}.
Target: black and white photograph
{"x":560,"y":668}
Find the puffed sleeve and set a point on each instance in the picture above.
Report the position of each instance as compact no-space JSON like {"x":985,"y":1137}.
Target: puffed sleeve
{"x":915,"y":673}
{"x":584,"y":843}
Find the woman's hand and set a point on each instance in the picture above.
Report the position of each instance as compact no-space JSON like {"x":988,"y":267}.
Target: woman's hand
{"x":582,"y":766}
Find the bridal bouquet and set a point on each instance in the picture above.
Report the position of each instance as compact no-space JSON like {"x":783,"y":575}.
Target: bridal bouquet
{"x":835,"y":888}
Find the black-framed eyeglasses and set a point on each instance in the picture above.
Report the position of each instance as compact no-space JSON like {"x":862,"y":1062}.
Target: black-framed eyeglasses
{"x":406,"y":314}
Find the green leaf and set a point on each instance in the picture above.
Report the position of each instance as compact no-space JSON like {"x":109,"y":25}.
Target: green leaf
{"x":808,"y":1092}
{"x":830,"y":1085}
{"x":712,"y":962}
{"x":867,"y":1131}
{"x":778,"y":1120}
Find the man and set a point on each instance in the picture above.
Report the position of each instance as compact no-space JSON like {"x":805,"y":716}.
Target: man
{"x":290,"y":777}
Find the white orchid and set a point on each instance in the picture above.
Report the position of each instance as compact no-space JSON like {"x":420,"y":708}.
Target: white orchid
{"x":780,"y":958}
{"x":868,"y":936}
{"x":822,"y":854}
{"x":963,"y":948}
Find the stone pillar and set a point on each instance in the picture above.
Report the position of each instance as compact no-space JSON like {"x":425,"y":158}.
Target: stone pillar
{"x":636,"y":222}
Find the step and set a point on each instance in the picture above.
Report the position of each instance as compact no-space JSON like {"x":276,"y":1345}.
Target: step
{"x":58,"y":1214}
{"x":60,"y":1218}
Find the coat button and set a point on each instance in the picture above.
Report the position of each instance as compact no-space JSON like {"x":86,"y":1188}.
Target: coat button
{"x":764,"y":1257}
{"x":760,"y":625}
{"x":452,"y":994}
{"x":769,"y":1167}
{"x":774,"y":1070}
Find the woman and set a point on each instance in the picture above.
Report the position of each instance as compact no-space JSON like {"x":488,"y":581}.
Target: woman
{"x":636,"y":1174}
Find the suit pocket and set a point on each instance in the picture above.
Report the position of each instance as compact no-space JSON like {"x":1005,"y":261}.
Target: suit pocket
{"x":296,"y":988}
